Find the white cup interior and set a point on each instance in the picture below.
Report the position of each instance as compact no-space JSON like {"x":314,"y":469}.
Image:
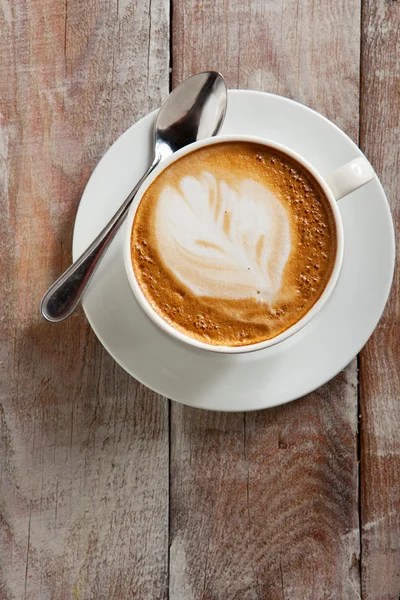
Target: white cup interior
{"x":314,"y":310}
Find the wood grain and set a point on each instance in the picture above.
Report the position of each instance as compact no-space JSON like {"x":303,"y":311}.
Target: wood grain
{"x":265,"y":505}
{"x":380,"y":360}
{"x":83,"y":447}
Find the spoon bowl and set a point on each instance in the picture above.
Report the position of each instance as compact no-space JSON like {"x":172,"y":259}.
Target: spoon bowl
{"x":192,"y":113}
{"x":195,"y":110}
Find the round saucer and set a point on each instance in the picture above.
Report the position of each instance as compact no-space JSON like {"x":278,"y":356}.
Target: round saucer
{"x":268,"y":377}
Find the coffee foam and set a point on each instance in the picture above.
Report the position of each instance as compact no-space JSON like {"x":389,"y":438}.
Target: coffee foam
{"x":223,"y":241}
{"x":234,"y":243}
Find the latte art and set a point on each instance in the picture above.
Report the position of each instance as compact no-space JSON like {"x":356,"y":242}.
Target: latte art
{"x":224,"y":240}
{"x":233,"y":243}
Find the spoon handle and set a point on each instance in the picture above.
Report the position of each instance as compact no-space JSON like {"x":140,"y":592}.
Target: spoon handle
{"x":64,"y":295}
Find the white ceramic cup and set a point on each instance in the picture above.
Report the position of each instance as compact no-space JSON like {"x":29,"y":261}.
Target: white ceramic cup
{"x":336,"y":185}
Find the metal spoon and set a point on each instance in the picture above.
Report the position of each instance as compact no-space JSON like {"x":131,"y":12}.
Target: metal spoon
{"x":193,"y":111}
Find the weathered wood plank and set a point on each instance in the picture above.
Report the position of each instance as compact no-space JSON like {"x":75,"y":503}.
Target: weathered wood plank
{"x":380,"y":360}
{"x":264,"y":505}
{"x":83,"y":447}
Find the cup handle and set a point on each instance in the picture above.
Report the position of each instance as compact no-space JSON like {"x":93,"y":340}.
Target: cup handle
{"x":350,"y":177}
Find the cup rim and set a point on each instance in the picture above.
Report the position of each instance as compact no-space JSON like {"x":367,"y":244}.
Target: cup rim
{"x":314,"y":310}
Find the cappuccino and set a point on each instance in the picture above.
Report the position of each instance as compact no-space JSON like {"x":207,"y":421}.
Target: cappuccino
{"x":233,"y":243}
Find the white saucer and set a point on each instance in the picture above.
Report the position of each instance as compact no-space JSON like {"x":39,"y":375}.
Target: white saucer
{"x":268,"y":377}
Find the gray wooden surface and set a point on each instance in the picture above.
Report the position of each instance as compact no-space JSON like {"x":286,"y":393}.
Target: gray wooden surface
{"x":108,"y":491}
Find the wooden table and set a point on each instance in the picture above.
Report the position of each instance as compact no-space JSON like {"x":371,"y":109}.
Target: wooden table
{"x":109,"y":491}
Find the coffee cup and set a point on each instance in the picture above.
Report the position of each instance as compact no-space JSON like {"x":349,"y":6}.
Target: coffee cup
{"x":297,"y":217}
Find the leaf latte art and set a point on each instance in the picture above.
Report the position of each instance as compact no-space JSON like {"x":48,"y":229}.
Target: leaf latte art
{"x":222,"y":241}
{"x":233,"y":243}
